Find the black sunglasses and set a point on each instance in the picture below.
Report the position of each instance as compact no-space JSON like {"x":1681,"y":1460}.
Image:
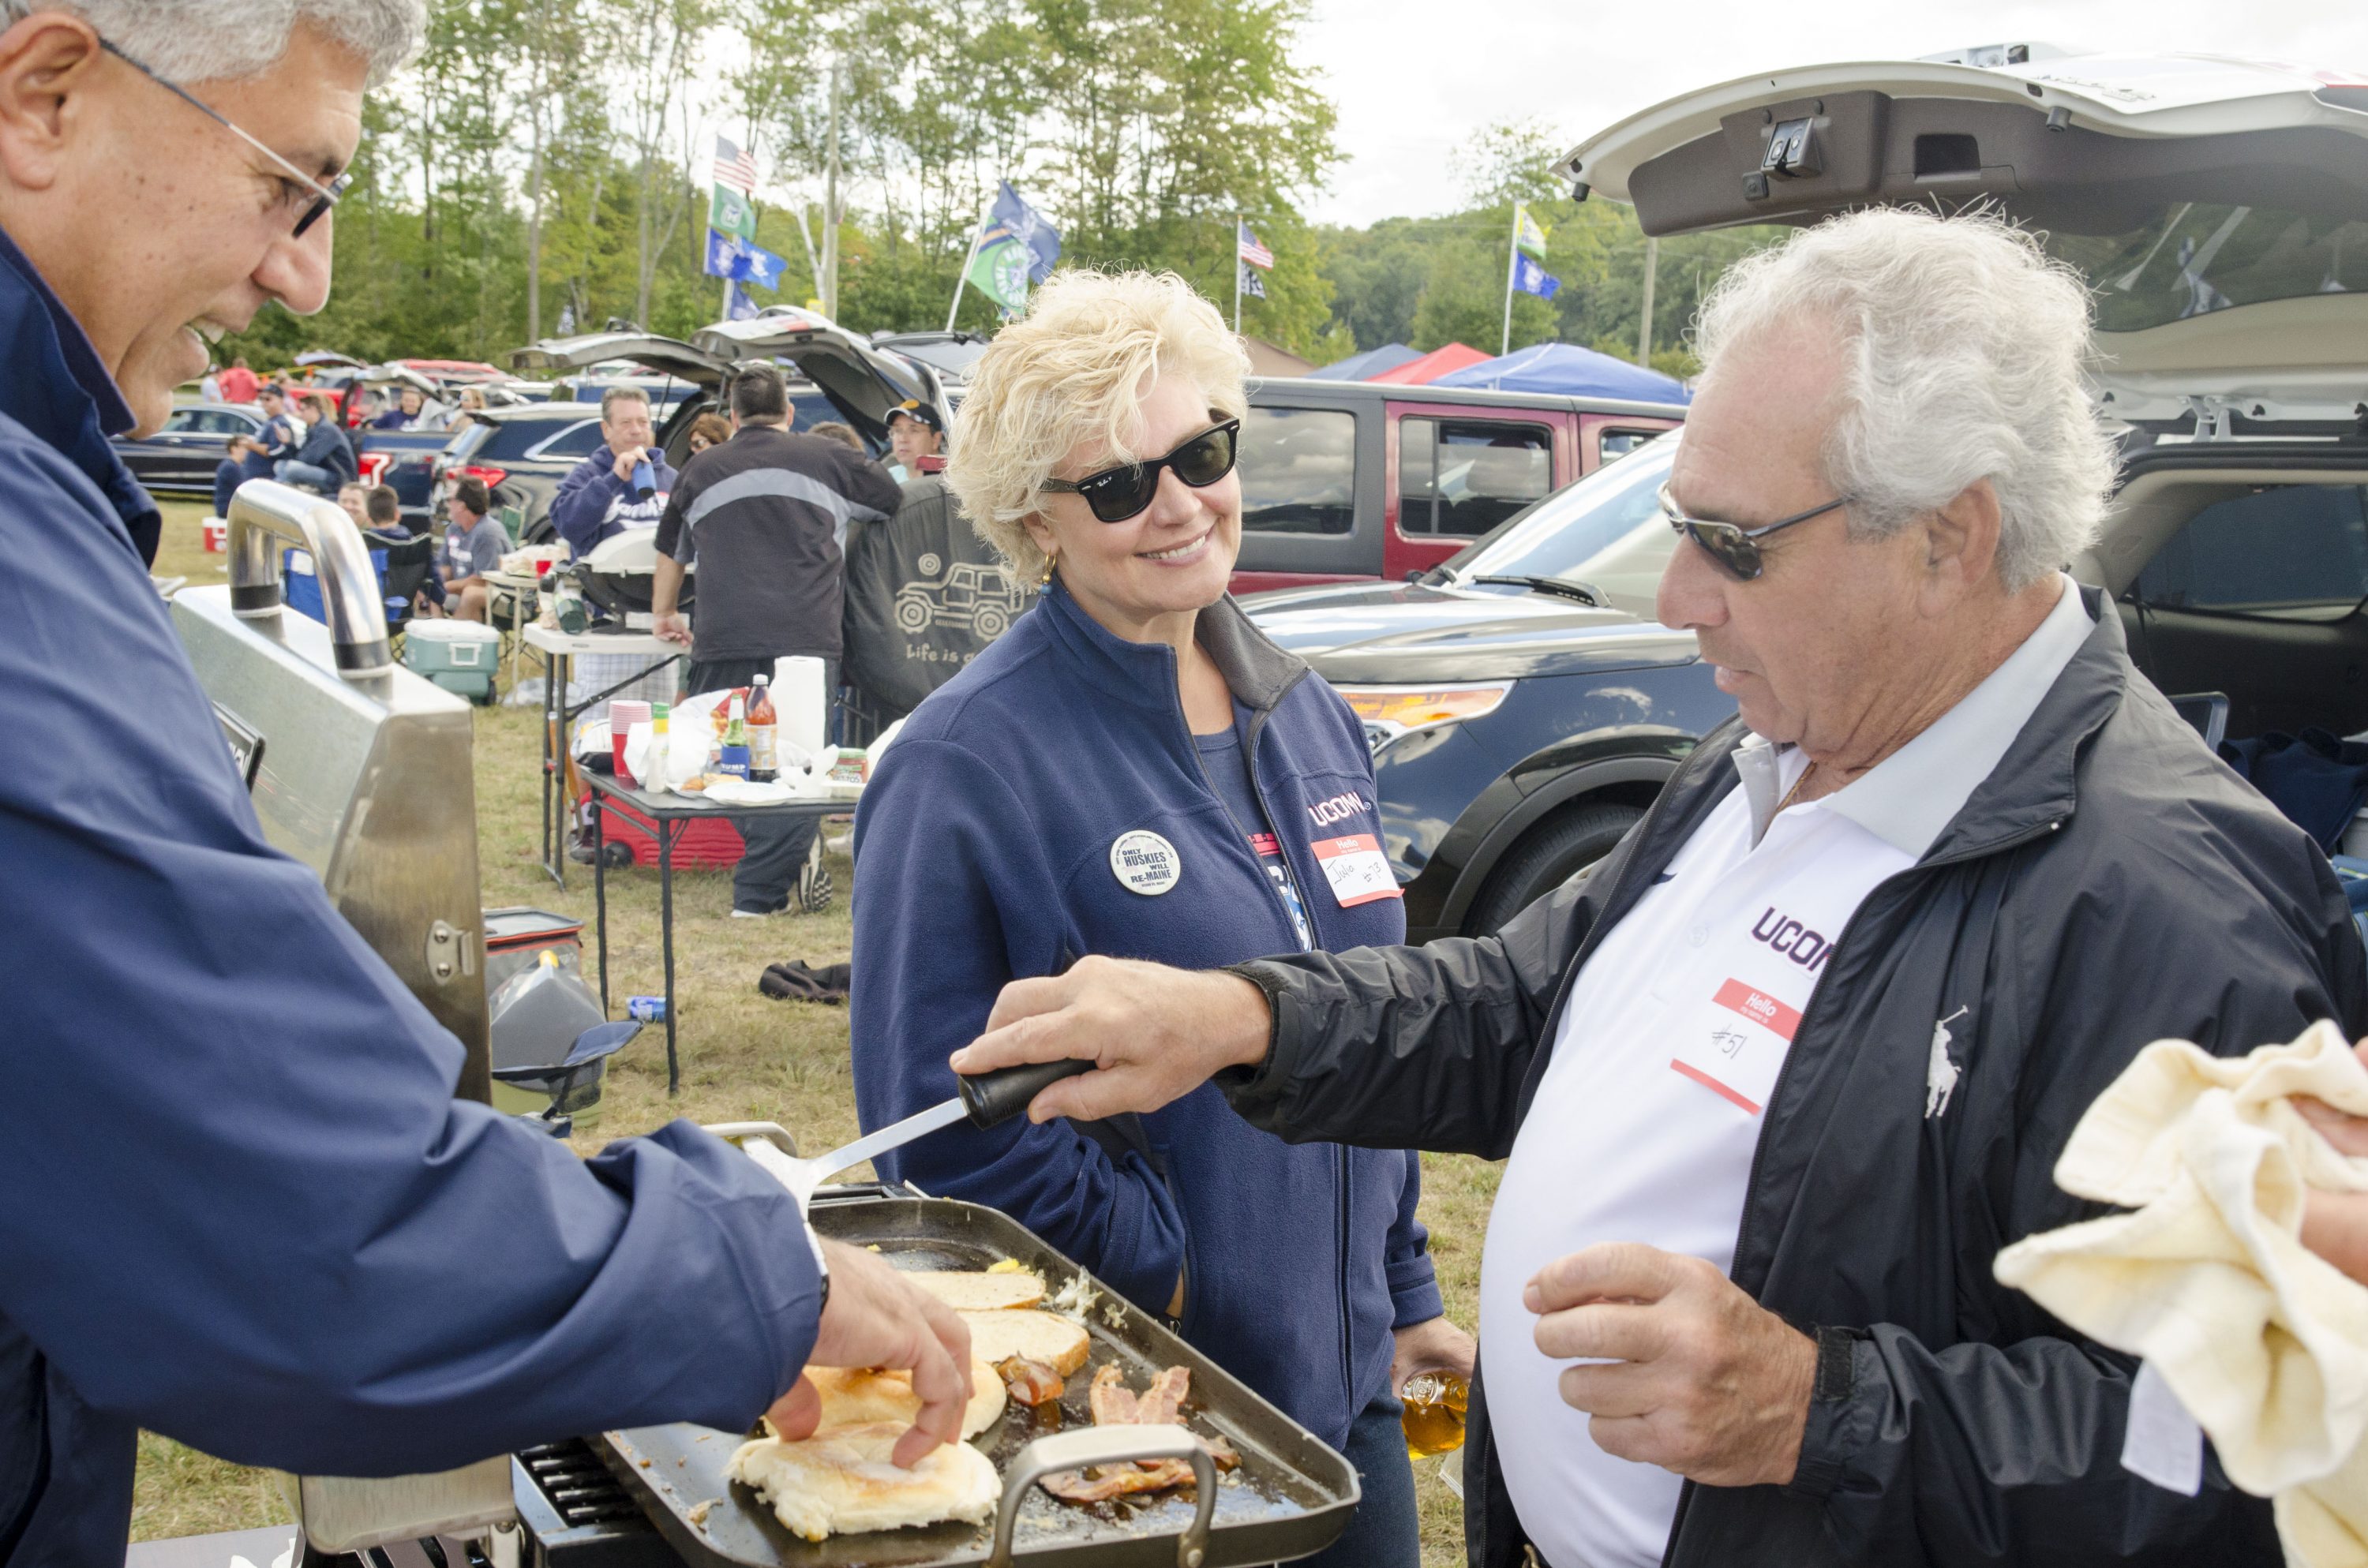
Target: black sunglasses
{"x":1117,"y":494}
{"x":1732,"y":545}
{"x":323,"y":197}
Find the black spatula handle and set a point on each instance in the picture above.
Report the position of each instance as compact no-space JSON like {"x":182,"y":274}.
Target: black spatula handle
{"x":998,"y":1097}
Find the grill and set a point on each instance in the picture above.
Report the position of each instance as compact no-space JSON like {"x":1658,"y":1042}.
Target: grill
{"x":361,"y":770}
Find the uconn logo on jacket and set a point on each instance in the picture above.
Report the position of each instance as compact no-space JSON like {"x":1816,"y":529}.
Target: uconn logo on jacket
{"x":1345,"y":807}
{"x":1789,"y":937}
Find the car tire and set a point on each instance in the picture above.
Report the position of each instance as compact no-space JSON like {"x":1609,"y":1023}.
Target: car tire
{"x":913,"y":613}
{"x":1547,"y":857}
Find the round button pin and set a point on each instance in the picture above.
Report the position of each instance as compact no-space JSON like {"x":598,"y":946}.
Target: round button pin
{"x":1144,"y":862}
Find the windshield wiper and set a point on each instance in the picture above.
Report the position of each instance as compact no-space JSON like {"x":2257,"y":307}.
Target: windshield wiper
{"x":1586,"y":593}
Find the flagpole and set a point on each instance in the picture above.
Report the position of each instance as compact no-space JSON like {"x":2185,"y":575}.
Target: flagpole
{"x":1511,"y":261}
{"x":1237,"y":272}
{"x":962,"y":279}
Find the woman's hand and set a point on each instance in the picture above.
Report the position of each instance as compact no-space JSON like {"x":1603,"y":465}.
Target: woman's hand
{"x":1437,"y":1345}
{"x":2335,"y":1224}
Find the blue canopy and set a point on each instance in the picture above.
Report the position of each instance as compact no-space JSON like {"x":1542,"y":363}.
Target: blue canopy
{"x":1570,"y":370}
{"x":1371,"y":362}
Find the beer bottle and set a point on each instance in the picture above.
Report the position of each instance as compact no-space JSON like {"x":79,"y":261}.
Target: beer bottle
{"x":734,"y":759}
{"x":764,"y":750}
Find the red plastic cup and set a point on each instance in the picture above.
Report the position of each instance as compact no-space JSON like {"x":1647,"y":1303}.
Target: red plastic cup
{"x":542,"y":568}
{"x":623,"y":714}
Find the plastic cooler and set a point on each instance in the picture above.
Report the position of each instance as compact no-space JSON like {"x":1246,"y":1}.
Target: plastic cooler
{"x":458,"y":655}
{"x":515,"y":938}
{"x":702,"y":844}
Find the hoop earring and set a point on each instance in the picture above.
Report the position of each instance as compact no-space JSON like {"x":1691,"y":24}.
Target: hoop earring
{"x":1044,"y":584}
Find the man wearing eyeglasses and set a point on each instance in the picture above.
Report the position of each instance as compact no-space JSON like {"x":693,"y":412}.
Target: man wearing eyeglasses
{"x":242,"y":1208}
{"x":1777,"y":1078}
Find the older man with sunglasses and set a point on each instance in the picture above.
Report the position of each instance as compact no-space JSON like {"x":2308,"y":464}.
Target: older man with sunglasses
{"x":243,"y":1207}
{"x":1778,"y":1077}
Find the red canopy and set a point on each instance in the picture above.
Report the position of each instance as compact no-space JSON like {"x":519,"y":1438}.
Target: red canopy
{"x":1431,"y":366}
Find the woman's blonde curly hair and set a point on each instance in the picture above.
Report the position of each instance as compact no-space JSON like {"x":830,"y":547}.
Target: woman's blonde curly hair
{"x":1074,"y":369}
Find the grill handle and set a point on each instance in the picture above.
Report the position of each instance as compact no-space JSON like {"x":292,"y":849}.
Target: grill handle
{"x":264,"y":513}
{"x":1109,"y":1445}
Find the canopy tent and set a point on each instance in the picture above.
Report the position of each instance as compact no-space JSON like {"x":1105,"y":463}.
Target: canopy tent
{"x":1431,"y":367}
{"x":1371,"y":362}
{"x":1569,"y":370}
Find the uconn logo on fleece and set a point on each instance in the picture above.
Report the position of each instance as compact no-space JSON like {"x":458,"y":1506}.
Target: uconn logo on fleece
{"x":1340,"y":808}
{"x":1808,"y":949}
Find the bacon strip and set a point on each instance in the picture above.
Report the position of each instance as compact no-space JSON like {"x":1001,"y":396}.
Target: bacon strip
{"x":1030,"y":1382}
{"x":1115,"y":1404}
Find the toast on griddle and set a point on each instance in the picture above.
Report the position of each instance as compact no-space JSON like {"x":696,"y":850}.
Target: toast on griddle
{"x":997,"y":1336}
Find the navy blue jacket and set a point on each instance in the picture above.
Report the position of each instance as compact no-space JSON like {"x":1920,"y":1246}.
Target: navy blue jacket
{"x":325,"y":447}
{"x":592,"y":502}
{"x":984,"y":854}
{"x":242,"y":1208}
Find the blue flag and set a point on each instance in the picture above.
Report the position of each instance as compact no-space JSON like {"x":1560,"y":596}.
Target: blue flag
{"x":1532,"y":279}
{"x":728,"y":255}
{"x":738,"y":306}
{"x":1012,"y":219}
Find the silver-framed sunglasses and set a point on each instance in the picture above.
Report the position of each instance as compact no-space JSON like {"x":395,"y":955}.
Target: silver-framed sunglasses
{"x":324,"y":197}
{"x":1732,"y":545}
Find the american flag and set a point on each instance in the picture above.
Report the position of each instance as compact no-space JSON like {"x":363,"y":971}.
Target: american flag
{"x":735,"y":169}
{"x":1251,"y":251}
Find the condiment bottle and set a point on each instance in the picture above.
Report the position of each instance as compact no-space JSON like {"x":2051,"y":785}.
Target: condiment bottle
{"x":764,"y":747}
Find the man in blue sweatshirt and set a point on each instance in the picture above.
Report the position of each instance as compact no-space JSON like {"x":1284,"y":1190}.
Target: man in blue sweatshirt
{"x":603,"y":497}
{"x":240,"y":1194}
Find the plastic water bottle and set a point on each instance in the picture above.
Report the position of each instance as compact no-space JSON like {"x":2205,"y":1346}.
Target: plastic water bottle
{"x":648,"y":1009}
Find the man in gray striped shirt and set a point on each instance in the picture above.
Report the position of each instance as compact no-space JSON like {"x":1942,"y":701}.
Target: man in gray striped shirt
{"x":764,"y":516}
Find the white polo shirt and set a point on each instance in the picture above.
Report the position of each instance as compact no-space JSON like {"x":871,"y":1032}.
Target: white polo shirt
{"x":1647,"y":1117}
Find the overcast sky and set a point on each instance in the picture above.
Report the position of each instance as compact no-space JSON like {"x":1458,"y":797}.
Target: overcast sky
{"x":1414,"y":78}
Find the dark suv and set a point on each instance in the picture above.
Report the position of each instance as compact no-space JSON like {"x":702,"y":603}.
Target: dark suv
{"x":521,"y":453}
{"x":1523,"y":704}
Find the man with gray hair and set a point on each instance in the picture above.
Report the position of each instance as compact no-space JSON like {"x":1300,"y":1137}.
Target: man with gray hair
{"x":243,"y":1207}
{"x":1777,"y":1078}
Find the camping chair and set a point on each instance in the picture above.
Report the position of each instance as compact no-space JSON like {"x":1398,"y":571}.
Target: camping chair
{"x":403,"y":562}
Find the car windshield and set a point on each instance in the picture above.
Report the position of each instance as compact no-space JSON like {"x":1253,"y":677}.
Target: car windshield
{"x":1606,"y":531}
{"x":2193,"y":257}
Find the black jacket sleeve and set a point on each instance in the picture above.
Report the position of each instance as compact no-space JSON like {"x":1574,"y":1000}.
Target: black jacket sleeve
{"x":1423,"y":1047}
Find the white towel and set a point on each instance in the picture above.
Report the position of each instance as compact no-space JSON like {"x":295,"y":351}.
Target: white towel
{"x":2265,"y":1343}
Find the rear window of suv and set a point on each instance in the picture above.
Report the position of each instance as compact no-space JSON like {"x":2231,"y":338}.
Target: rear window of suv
{"x":512,"y":439}
{"x":1299,"y":470}
{"x":2282,"y":548}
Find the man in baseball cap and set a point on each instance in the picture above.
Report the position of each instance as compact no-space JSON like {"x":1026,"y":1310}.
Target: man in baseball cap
{"x":916,"y":435}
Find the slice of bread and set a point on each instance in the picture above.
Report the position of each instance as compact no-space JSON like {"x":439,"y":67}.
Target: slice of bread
{"x":1041,"y":1336}
{"x":969,"y":1292}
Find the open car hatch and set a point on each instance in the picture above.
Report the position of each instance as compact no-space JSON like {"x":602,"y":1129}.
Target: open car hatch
{"x":2218,"y":207}
{"x":665,"y":356}
{"x":863,"y":382}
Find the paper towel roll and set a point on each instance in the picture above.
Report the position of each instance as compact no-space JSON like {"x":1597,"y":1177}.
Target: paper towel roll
{"x":800,"y":706}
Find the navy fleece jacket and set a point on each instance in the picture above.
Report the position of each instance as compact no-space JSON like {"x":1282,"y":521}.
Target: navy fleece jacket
{"x":984,"y":852}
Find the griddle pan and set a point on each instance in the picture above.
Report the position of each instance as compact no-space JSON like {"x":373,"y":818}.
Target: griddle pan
{"x":1292,"y":1495}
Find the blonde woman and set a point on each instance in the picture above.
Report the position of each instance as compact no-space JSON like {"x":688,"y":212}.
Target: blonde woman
{"x":1134,"y":769}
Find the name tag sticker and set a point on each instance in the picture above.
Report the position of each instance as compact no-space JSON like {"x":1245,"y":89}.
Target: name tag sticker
{"x":1735,"y":1044}
{"x":1357,"y":868}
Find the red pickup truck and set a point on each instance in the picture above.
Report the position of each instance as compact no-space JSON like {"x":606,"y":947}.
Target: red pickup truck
{"x":1350,"y":480}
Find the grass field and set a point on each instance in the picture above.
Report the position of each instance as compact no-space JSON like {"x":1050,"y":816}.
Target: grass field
{"x":744,"y":1058}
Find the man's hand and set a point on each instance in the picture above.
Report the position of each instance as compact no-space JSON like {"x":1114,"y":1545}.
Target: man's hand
{"x":875,"y":1319}
{"x":1155,"y":1033}
{"x":626,"y":463}
{"x":1437,"y":1345}
{"x":1701,"y":1379}
{"x":671,"y":627}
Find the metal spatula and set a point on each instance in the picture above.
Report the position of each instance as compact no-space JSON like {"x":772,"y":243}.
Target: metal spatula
{"x":983,"y":1101}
